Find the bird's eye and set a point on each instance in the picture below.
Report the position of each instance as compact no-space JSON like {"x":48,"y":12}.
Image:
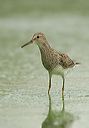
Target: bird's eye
{"x":37,"y":36}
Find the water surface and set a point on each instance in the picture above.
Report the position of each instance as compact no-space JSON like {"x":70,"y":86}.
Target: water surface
{"x":23,"y":80}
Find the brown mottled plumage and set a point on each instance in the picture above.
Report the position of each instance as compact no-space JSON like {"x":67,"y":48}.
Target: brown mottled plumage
{"x":55,"y":62}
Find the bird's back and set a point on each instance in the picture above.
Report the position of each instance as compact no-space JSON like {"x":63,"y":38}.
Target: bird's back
{"x":51,"y":58}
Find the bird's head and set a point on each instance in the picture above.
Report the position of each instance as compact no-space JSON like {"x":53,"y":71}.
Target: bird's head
{"x":38,"y":38}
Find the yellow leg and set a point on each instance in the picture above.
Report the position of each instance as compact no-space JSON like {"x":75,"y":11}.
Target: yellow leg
{"x":63,"y":108}
{"x":63,"y":87}
{"x":49,"y":83}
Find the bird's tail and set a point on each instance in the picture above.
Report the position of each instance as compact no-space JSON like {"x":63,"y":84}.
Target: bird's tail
{"x":76,"y":63}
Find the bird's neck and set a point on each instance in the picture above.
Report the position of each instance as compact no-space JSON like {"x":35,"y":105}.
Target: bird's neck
{"x":43,"y":46}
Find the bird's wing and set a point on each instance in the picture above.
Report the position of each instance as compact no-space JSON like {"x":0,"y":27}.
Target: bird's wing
{"x":62,"y":59}
{"x":66,"y":62}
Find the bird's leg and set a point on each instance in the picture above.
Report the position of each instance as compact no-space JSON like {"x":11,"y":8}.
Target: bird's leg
{"x":63,"y":87}
{"x":49,"y":83}
{"x":63,"y":102}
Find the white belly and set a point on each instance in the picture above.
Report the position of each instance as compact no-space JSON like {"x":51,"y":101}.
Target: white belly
{"x":59,"y":70}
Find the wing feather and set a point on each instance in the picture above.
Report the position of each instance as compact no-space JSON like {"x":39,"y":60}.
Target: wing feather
{"x":66,"y":61}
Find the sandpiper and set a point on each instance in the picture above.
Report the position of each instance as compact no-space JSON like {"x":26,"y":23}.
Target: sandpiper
{"x":54,"y":62}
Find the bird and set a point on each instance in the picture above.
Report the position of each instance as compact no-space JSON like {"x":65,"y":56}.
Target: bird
{"x":55,"y":62}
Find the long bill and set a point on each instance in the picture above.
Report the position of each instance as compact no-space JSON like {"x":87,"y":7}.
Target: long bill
{"x":27,"y":43}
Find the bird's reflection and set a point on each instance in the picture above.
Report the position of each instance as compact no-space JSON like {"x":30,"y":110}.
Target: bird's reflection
{"x":57,"y":119}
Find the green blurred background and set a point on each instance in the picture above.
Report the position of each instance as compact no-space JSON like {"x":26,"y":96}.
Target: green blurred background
{"x":41,"y":7}
{"x":23,"y":80}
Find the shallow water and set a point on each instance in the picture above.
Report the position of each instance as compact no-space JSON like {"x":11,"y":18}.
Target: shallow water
{"x":24,"y":82}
